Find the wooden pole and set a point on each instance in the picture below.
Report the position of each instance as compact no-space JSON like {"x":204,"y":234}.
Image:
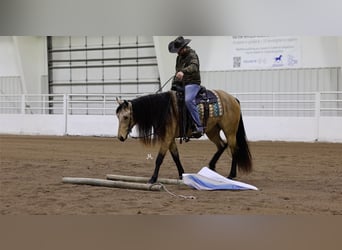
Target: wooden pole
{"x":143,"y":179}
{"x":111,"y":183}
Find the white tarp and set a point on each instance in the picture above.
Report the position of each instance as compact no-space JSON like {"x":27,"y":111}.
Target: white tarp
{"x":207,"y":179}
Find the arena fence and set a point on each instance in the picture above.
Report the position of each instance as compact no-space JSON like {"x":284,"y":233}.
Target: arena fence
{"x":304,"y":116}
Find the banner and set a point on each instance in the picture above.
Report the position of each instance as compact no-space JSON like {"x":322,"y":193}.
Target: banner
{"x":265,"y":52}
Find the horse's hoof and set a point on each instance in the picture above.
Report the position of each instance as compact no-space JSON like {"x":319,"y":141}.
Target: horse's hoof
{"x":152,"y":180}
{"x":231,"y":177}
{"x":213,"y":168}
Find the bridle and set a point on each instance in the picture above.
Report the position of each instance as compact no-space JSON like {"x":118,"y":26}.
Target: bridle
{"x":130,"y":124}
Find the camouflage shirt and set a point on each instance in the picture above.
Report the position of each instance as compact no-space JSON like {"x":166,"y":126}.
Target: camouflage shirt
{"x":189,"y":65}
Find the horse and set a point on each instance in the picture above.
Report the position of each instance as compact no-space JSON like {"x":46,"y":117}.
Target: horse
{"x":156,"y":118}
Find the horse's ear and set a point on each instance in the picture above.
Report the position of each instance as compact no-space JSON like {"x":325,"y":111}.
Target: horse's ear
{"x":119,"y":101}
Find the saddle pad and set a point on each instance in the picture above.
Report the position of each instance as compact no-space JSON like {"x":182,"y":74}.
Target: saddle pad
{"x":215,"y":108}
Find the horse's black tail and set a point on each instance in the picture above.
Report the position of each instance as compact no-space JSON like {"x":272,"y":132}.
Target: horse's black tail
{"x":242,"y":154}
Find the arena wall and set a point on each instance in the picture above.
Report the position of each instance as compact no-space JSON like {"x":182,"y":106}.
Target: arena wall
{"x":307,"y":129}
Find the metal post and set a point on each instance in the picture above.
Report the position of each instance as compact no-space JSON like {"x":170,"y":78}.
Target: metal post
{"x":43,"y":104}
{"x":22,"y":104}
{"x":273,"y":104}
{"x":50,"y":73}
{"x":317,"y":112}
{"x":104,"y":105}
{"x":65,"y":113}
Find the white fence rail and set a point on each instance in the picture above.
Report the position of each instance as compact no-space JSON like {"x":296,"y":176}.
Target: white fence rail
{"x":71,"y":104}
{"x":252,"y":104}
{"x":303,"y":116}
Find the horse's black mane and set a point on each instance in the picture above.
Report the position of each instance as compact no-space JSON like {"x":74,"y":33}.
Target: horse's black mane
{"x":152,"y":114}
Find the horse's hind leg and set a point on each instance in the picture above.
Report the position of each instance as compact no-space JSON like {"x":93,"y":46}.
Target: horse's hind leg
{"x":231,"y":139}
{"x":175,"y":157}
{"x":214,"y":136}
{"x":232,"y":173}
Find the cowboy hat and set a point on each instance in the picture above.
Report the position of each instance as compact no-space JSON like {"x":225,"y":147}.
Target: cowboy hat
{"x":177,"y":44}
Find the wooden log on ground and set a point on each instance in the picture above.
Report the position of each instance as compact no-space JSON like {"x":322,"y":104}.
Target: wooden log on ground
{"x":111,"y":183}
{"x":143,"y":179}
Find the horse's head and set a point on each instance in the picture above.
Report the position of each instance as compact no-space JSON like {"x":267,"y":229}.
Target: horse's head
{"x":125,"y":117}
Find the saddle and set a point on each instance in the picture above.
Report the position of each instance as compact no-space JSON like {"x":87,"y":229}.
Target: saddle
{"x":206,"y":96}
{"x":208,"y":105}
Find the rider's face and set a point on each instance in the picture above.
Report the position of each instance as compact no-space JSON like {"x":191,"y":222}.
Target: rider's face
{"x":181,"y":51}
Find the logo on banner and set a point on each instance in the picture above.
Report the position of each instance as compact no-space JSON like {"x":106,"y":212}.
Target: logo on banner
{"x":278,"y":61}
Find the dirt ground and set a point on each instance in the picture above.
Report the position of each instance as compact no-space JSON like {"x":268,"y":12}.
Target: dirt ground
{"x":293,"y":178}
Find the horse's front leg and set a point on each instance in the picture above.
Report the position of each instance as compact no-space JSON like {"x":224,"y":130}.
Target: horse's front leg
{"x":175,"y":157}
{"x":162,"y":151}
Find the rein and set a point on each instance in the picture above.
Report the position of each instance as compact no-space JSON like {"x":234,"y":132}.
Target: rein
{"x":161,"y":88}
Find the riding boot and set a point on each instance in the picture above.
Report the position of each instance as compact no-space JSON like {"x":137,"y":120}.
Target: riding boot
{"x":197,"y":132}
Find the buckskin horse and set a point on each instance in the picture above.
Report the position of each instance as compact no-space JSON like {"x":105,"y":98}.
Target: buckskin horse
{"x":156,"y":118}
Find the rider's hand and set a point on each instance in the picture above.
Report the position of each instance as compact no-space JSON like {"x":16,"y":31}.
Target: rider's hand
{"x":179,"y":75}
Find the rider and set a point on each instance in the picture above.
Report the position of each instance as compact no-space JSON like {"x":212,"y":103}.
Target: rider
{"x":188,"y":71}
